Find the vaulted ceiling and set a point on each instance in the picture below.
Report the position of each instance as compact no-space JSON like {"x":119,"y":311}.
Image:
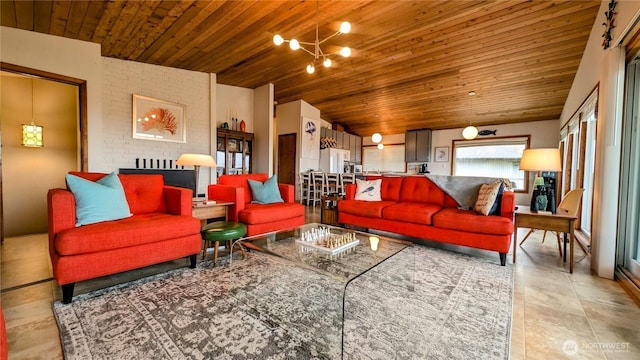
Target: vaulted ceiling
{"x":413,"y":63}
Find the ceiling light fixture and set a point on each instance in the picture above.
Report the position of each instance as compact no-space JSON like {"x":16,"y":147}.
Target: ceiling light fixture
{"x":376,"y":138}
{"x":32,"y":133}
{"x":317,"y":52}
{"x":470,"y":132}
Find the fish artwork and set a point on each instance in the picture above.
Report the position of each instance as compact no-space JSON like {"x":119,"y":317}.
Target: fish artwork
{"x":487,"y":132}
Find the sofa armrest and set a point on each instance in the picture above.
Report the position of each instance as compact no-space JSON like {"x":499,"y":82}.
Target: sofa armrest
{"x":177,"y":200}
{"x":508,"y":205}
{"x":350,"y":191}
{"x":228,"y":194}
{"x":61,"y":213}
{"x":287,"y":192}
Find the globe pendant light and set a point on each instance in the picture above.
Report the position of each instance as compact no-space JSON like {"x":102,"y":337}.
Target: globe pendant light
{"x":470,"y":132}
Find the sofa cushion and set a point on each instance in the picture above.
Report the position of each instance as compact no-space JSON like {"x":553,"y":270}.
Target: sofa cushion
{"x":264,"y":213}
{"x":368,"y":190}
{"x":98,"y":201}
{"x":422,"y":190}
{"x":390,"y":187}
{"x":241,"y":181}
{"x":471,"y":221}
{"x":265,"y":192}
{"x":144,"y":192}
{"x":132,"y":231}
{"x":487,"y":198}
{"x":419,"y":213}
{"x":371,"y":209}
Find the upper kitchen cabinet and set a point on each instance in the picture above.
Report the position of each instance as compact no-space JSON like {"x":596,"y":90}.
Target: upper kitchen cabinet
{"x":417,"y":146}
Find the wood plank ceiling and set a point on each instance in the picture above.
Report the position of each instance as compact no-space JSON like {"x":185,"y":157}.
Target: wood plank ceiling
{"x":413,"y":63}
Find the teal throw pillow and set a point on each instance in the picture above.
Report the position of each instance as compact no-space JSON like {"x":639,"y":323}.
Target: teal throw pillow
{"x":103,"y":200}
{"x":265,"y":193}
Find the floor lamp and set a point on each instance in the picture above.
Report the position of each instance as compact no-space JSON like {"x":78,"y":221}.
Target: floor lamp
{"x":196,"y":160}
{"x":539,"y":160}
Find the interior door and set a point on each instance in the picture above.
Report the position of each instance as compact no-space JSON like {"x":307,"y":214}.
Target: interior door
{"x":287,"y":159}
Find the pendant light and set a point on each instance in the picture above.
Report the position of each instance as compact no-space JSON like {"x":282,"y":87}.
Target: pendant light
{"x":470,"y":132}
{"x":32,"y":133}
{"x":316,"y":50}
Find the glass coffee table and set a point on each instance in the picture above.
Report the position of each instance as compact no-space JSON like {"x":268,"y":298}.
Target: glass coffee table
{"x":316,"y":264}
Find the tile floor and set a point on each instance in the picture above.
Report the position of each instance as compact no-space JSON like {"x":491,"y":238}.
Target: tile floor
{"x":556,"y":315}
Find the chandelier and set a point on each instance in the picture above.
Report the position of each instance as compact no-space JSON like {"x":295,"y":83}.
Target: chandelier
{"x":317,"y":52}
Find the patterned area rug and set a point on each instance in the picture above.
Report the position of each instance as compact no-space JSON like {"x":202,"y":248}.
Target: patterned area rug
{"x":451,"y":306}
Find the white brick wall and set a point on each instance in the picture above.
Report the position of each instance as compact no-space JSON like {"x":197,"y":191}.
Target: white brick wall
{"x":122,"y":79}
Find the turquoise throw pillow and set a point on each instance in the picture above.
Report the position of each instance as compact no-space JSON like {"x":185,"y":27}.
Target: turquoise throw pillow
{"x":265,"y":193}
{"x":103,"y":200}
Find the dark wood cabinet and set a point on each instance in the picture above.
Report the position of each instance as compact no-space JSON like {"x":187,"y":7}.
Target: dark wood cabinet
{"x":417,"y":146}
{"x":234,"y":152}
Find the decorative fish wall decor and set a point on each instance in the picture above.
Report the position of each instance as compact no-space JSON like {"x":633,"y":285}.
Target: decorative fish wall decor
{"x":487,"y":132}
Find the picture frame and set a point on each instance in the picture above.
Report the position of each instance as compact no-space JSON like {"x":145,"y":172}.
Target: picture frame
{"x":160,"y":120}
{"x":441,"y":154}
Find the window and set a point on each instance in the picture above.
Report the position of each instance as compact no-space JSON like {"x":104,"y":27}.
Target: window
{"x":496,"y":157}
{"x":388,"y":159}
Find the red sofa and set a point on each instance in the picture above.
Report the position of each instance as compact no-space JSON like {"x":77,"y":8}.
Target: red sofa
{"x":416,"y":207}
{"x":161,"y":229}
{"x":259,"y":218}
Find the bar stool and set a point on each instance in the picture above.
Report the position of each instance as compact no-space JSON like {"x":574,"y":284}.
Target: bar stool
{"x":345,"y":179}
{"x":317,"y":187}
{"x":332,"y":183}
{"x":305,"y":182}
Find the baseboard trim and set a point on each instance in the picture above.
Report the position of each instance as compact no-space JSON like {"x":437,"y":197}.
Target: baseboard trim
{"x":629,"y":283}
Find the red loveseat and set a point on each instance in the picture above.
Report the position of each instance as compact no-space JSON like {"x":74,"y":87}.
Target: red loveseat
{"x":259,"y":218}
{"x":161,"y":229}
{"x":415,"y":206}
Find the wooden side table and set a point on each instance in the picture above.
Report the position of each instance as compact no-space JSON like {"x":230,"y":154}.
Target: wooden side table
{"x":205,"y":212}
{"x":329,"y":209}
{"x":559,"y":222}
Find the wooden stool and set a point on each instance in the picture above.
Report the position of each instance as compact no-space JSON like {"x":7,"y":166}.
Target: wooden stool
{"x":218,"y":231}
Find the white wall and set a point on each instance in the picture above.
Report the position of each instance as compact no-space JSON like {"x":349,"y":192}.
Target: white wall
{"x":234,"y":101}
{"x":73,"y":58}
{"x":606,"y":68}
{"x":263,"y":152}
{"x":124,"y":78}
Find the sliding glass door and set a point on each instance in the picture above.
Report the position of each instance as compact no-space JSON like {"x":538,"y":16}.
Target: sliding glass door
{"x":629,"y":216}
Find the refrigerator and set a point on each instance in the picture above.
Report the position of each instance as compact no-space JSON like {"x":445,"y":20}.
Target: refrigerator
{"x":333,"y":160}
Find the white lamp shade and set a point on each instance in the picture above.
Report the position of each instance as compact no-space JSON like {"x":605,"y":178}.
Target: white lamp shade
{"x":470,"y":132}
{"x":311,"y":69}
{"x":376,"y":138}
{"x":277,"y":39}
{"x":545,"y":159}
{"x":380,"y":146}
{"x":327,"y":63}
{"x":294,"y":44}
{"x":196,"y":160}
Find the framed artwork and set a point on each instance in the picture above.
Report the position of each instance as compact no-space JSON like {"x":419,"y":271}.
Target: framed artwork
{"x":155,"y":119}
{"x":441,"y":154}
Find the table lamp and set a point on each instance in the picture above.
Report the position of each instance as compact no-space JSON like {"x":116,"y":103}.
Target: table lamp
{"x":544,"y":159}
{"x":196,"y":160}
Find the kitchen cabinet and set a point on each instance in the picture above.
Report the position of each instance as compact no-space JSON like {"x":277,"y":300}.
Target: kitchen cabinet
{"x":234,"y":152}
{"x":417,"y":146}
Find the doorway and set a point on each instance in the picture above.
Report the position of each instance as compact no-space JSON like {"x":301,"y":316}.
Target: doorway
{"x":58,"y":103}
{"x":287,"y":159}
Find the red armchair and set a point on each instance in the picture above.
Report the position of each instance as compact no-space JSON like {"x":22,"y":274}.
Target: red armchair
{"x":161,"y":229}
{"x":259,"y":218}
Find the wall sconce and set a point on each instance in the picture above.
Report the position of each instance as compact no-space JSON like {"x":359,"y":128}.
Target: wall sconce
{"x":32,"y":135}
{"x":381,"y":146}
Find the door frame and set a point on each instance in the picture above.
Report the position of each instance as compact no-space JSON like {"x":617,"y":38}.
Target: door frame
{"x":82,"y":116}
